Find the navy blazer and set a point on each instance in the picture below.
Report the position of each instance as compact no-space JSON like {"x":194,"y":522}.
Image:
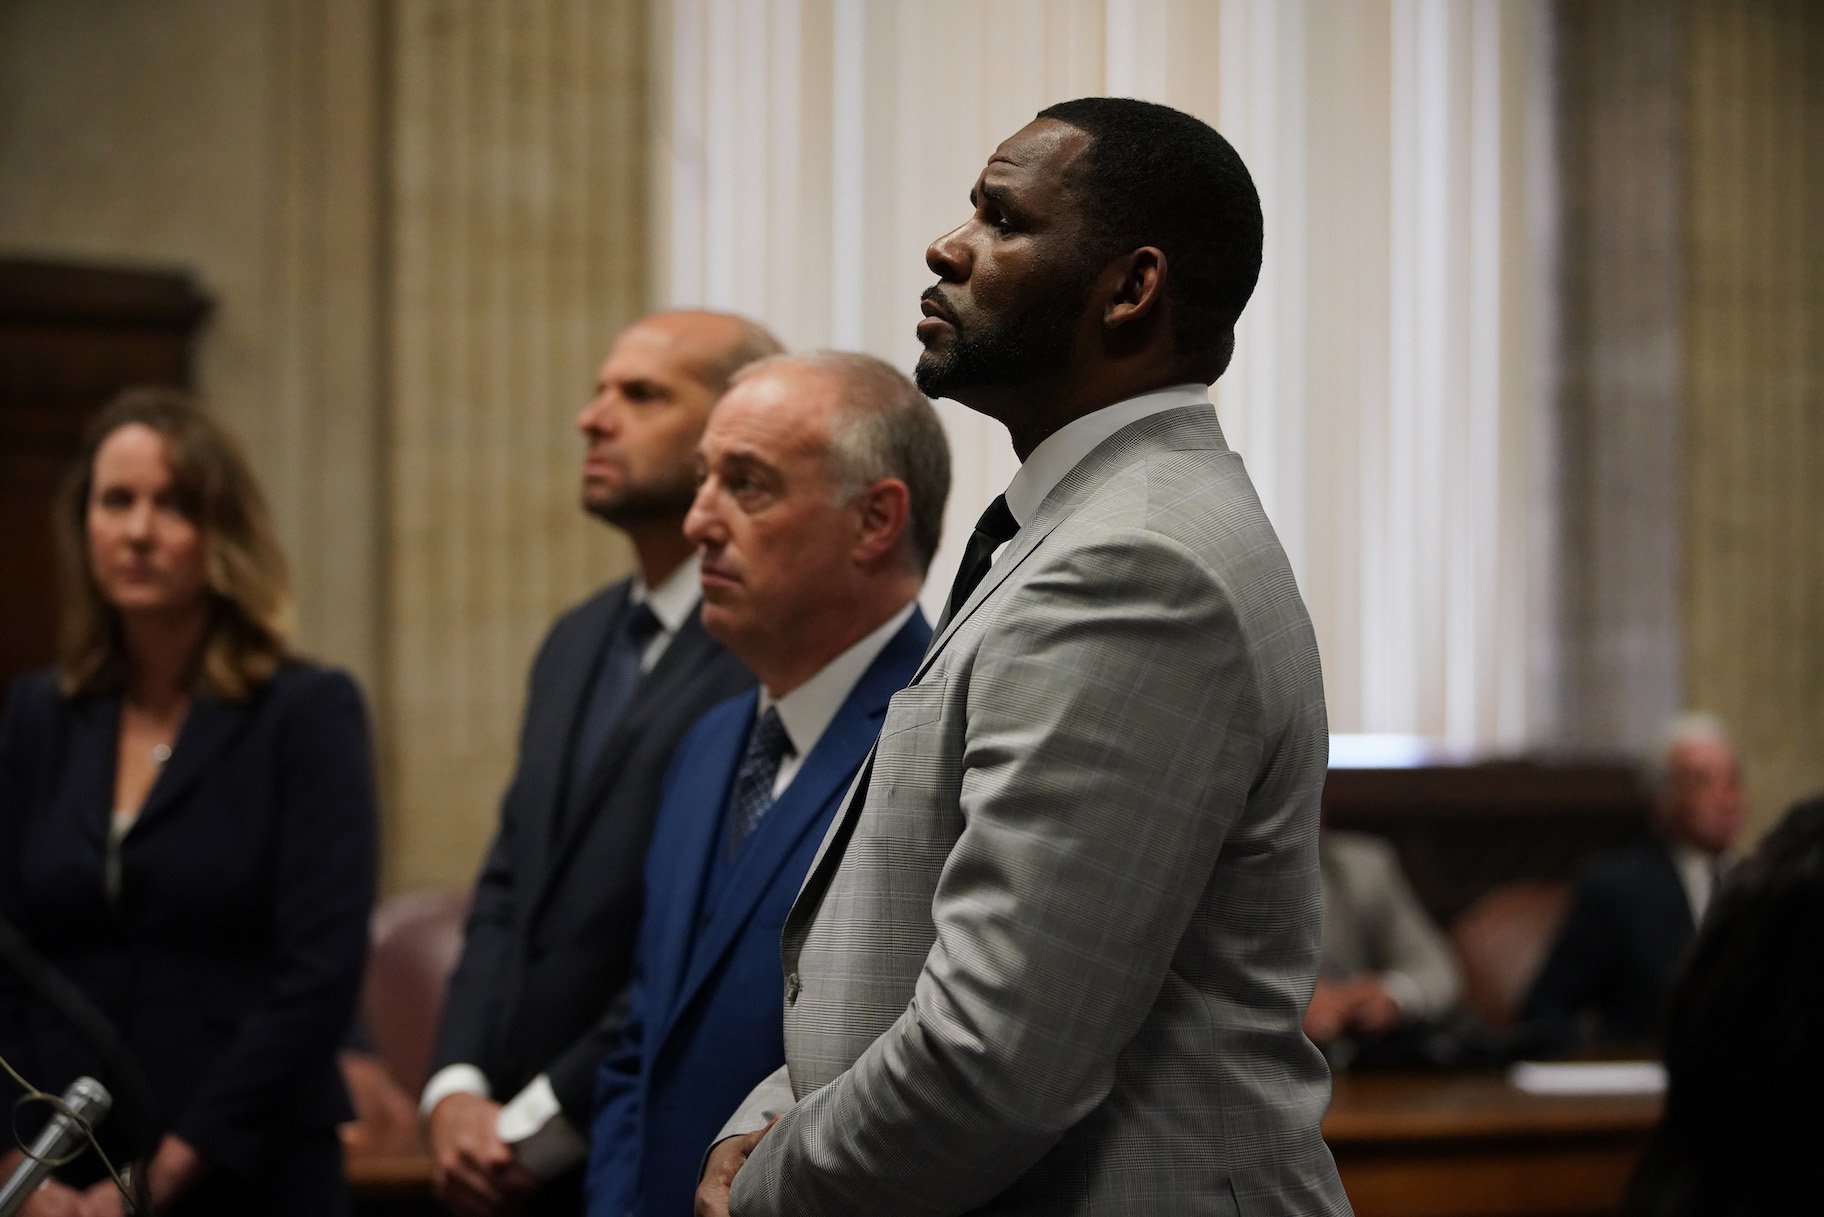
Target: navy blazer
{"x":550,"y":933}
{"x":1616,"y":956}
{"x":705,"y":1010}
{"x":231,"y":962}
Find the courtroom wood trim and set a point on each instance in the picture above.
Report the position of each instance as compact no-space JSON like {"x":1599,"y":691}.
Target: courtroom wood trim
{"x":1553,"y":1180}
{"x":1462,"y":830}
{"x":93,"y":294}
{"x":1471,"y":1145}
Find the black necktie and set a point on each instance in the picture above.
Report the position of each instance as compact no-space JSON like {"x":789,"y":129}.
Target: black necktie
{"x":617,"y":675}
{"x":767,"y":745}
{"x":994,"y":529}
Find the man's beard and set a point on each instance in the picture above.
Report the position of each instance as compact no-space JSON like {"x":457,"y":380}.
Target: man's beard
{"x":1029,"y":345}
{"x":630,"y":506}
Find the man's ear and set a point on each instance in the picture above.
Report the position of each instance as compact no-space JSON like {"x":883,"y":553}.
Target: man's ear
{"x":1138,"y":287}
{"x":885,"y":509}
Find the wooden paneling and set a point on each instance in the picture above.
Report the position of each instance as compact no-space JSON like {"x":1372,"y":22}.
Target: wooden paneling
{"x":1753,"y":509}
{"x":518,"y":226}
{"x":1463,"y":829}
{"x":1620,"y":138}
{"x":1471,"y":1145}
{"x":1692,"y":166}
{"x":71,"y":336}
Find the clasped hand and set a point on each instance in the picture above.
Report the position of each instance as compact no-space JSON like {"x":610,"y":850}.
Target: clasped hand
{"x":726,"y":1158}
{"x":474,"y":1172}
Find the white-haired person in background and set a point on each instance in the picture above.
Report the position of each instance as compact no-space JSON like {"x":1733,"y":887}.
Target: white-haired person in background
{"x":1610,"y":972}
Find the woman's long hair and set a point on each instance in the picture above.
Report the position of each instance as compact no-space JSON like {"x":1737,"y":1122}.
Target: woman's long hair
{"x":244,"y":569}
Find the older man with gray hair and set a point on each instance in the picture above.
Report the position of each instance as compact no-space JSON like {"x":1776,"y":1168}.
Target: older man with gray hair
{"x":822,"y":487}
{"x":1610,"y":972}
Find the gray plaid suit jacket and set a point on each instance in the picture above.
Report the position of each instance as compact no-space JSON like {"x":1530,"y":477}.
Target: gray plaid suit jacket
{"x":1056,"y":960}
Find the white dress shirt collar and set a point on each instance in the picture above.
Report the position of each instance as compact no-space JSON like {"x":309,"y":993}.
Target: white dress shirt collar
{"x":807,"y":710}
{"x":672,"y":601}
{"x":1063,"y":449}
{"x":1697,"y":873}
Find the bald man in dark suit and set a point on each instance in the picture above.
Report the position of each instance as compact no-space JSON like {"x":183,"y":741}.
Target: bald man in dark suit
{"x":532,"y":1003}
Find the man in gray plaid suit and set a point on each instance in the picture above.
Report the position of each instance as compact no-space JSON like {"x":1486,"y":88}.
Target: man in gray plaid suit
{"x":1053,"y":955}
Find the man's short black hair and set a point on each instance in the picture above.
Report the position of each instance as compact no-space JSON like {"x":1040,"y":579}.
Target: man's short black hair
{"x":1153,"y":175}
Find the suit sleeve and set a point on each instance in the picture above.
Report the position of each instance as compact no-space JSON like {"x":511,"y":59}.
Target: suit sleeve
{"x":18,"y":749}
{"x":772,"y":1097}
{"x":598,"y":1056}
{"x":1113,"y":731}
{"x":614,"y":1132}
{"x":1571,"y":979}
{"x":471,"y":1000}
{"x":1411,"y":946}
{"x":478,"y":984}
{"x":322,"y":894}
{"x":616,"y":1120}
{"x":575,"y":1073}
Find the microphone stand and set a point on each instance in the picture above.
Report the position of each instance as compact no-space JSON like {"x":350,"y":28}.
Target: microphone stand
{"x":86,"y":1101}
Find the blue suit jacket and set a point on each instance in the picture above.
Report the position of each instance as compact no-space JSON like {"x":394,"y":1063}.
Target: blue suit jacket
{"x":706,"y":1002}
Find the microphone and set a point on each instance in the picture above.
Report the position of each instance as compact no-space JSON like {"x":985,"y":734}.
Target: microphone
{"x":88,"y":1101}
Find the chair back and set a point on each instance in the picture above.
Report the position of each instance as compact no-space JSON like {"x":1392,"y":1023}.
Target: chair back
{"x":417,"y":937}
{"x":1501,"y":940}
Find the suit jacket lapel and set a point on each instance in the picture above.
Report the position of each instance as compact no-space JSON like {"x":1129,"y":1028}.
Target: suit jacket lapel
{"x":677,"y":666}
{"x":94,"y":748}
{"x":819,"y":783}
{"x":1186,"y":427}
{"x":561,"y":705}
{"x":822,"y":778}
{"x":209,"y":725}
{"x":699,"y":835}
{"x":1672,"y":896}
{"x":683,"y":655}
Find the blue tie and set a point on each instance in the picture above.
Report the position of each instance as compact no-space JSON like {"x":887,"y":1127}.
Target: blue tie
{"x":617,"y":675}
{"x":767,"y":745}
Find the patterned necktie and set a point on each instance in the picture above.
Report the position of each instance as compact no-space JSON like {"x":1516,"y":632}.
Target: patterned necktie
{"x":767,"y":746}
{"x":994,"y":529}
{"x":617,"y":675}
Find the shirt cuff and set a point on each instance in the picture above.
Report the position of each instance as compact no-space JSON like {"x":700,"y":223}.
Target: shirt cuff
{"x":452,"y":1079}
{"x":1405,"y":991}
{"x":542,"y":1140}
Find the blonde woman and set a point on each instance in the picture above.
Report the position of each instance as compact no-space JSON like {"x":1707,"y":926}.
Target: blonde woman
{"x":187,"y":830}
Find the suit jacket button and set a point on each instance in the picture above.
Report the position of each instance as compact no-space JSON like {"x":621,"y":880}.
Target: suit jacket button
{"x":791,"y":989}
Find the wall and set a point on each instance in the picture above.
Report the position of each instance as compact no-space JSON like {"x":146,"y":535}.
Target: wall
{"x":518,"y":250}
{"x":240,"y":142}
{"x":422,"y":224}
{"x":1389,"y":390}
{"x":1753,"y":435}
{"x":1621,"y":138}
{"x":1694,"y":388}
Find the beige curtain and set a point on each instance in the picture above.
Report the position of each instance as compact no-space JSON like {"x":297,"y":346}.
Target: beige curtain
{"x":1388,"y":394}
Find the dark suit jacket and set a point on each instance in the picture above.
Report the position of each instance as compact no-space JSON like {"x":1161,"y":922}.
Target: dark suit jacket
{"x":1616,"y":955}
{"x":550,"y":936}
{"x":231,"y":962}
{"x":705,"y":1008}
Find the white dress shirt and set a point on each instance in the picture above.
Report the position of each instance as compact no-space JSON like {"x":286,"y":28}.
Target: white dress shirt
{"x":807,"y":711}
{"x":672,"y":602}
{"x":1697,"y":873}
